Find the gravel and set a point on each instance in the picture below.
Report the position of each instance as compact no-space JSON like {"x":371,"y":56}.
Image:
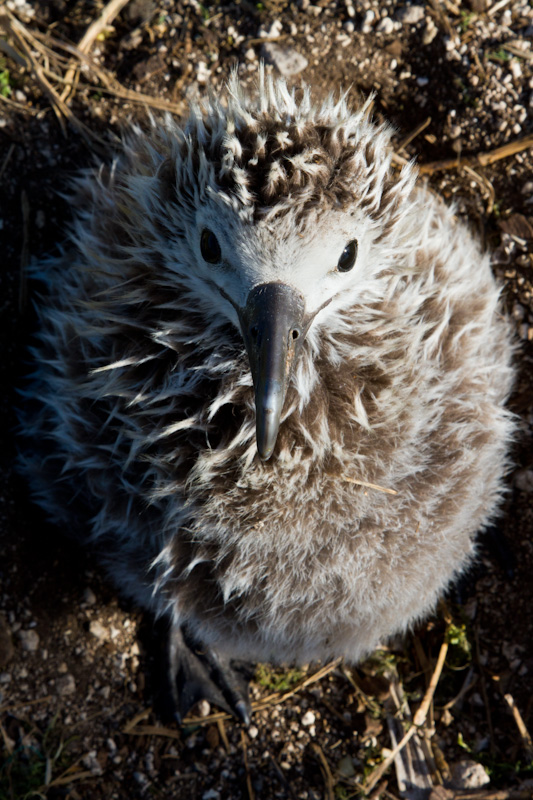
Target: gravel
{"x":70,"y":647}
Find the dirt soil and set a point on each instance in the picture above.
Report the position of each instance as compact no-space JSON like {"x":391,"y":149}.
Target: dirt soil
{"x":77,"y":674}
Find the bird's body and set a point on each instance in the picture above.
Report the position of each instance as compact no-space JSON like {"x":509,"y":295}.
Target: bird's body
{"x":145,"y":362}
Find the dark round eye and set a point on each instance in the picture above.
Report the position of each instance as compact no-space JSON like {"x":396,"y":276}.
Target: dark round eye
{"x":347,"y":259}
{"x":210,"y":247}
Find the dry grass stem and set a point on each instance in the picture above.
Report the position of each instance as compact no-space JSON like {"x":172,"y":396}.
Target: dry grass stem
{"x":9,"y":708}
{"x":418,"y":721}
{"x":497,"y":7}
{"x":527,"y":55}
{"x":136,"y":719}
{"x":69,"y":776}
{"x":219,"y":717}
{"x":367,"y":485}
{"x":223,"y":735}
{"x":7,"y":159}
{"x":151,"y":730}
{"x":527,"y":742}
{"x":481,"y":159}
{"x":109,"y":12}
{"x":108,"y":83}
{"x":61,"y":110}
{"x":416,"y":132}
{"x":326,"y":771}
{"x":485,"y":184}
{"x":249,"y":787}
{"x":9,"y":744}
{"x":278,"y":697}
{"x":19,"y":106}
{"x":469,"y":683}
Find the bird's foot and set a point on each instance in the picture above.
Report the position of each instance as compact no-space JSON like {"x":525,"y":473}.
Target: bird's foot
{"x":199,"y":673}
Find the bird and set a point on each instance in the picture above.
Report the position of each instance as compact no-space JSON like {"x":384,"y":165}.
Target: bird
{"x":269,"y":386}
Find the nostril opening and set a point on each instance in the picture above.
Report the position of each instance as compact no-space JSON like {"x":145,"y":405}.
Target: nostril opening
{"x":295,"y":333}
{"x":254,"y":331}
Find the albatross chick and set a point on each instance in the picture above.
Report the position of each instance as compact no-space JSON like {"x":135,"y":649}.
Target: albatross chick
{"x":258,"y":327}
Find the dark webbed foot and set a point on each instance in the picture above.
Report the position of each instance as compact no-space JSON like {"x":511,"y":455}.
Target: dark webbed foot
{"x":198,"y":673}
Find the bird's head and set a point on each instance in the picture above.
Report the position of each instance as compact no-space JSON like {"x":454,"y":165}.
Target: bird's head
{"x":281,"y":210}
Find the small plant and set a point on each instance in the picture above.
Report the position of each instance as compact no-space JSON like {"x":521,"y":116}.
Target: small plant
{"x":498,"y":769}
{"x":460,"y":649}
{"x":5,"y":83}
{"x":204,"y":12}
{"x":29,"y":768}
{"x":501,"y":56}
{"x":466,"y":19}
{"x":276,"y":680}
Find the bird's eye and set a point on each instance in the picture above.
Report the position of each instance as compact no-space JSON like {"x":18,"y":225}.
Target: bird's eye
{"x":210,"y":247}
{"x":347,"y":259}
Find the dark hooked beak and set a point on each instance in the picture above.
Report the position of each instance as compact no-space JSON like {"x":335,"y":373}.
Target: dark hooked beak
{"x":274,"y":325}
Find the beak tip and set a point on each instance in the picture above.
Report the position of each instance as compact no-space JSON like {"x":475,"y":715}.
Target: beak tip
{"x":264,"y":453}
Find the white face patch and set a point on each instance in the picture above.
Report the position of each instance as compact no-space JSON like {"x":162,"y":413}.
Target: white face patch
{"x":305,"y":257}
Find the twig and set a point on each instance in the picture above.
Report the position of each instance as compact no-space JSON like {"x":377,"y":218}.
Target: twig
{"x":497,"y":7}
{"x":259,"y":705}
{"x":481,"y":159}
{"x":9,"y":744}
{"x":279,"y":772}
{"x":277,"y":697}
{"x":495,"y":794}
{"x":19,"y":106}
{"x":68,"y":777}
{"x":223,"y":735}
{"x":61,"y":110}
{"x":527,"y":743}
{"x":110,"y":84}
{"x":416,"y":132}
{"x":7,"y":159}
{"x":14,"y":707}
{"x":469,"y":682}
{"x":485,"y":184}
{"x":249,"y":787}
{"x":136,"y":719}
{"x":326,"y":772}
{"x":151,"y":730}
{"x":378,"y":791}
{"x":527,"y":55}
{"x":418,"y":721}
{"x":108,"y":14}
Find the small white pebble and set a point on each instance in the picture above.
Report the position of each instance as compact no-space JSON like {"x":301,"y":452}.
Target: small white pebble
{"x":65,"y":685}
{"x":309,"y":718}
{"x":386,"y":26}
{"x":29,"y":640}
{"x":98,"y":630}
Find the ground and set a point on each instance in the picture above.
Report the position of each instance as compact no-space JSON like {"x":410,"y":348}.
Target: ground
{"x":77,"y":676}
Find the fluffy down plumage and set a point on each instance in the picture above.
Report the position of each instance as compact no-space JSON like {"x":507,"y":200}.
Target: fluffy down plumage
{"x":144,"y":442}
